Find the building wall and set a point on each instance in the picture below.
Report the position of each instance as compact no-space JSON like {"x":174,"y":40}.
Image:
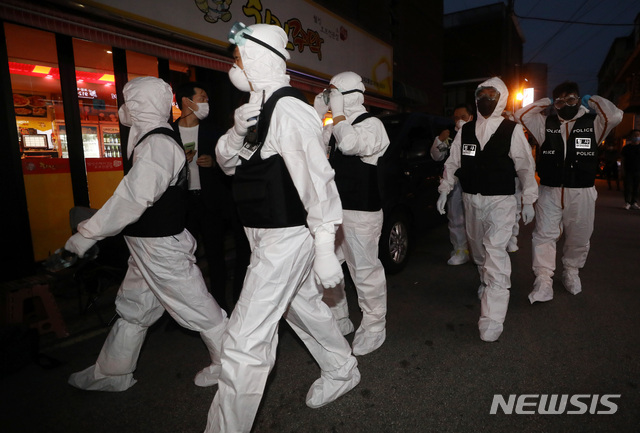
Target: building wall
{"x":480,"y":43}
{"x":414,"y":29}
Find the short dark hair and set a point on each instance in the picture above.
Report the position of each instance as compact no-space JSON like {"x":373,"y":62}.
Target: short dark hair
{"x":566,"y":88}
{"x":187,"y":90}
{"x":468,"y":107}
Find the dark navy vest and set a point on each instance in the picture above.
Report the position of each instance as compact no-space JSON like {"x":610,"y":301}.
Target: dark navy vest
{"x":579,"y":167}
{"x":167,"y":216}
{"x":489,"y":171}
{"x":357,"y":181}
{"x":263,"y":189}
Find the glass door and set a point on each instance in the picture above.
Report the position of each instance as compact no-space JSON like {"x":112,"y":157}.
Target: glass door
{"x":91,"y":141}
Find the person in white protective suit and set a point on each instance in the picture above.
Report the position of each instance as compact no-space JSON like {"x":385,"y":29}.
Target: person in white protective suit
{"x":486,"y":155}
{"x":290,"y":208}
{"x":455,"y":209}
{"x":567,"y":166}
{"x":512,"y":245}
{"x":148,"y":207}
{"x":355,"y":140}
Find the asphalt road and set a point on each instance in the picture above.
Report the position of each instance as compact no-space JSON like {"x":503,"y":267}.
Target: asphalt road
{"x":433,"y":374}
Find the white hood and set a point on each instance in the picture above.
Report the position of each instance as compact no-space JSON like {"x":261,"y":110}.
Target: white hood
{"x":265,"y":69}
{"x":486,"y":127}
{"x":353,"y":102}
{"x":148,"y":101}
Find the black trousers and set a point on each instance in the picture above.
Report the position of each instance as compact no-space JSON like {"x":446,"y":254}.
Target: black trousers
{"x":210,"y":221}
{"x":631,"y":184}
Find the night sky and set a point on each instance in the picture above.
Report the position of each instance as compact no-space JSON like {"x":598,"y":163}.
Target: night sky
{"x":572,"y":52}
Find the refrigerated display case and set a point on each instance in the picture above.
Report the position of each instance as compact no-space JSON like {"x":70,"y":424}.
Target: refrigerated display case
{"x":111,"y":141}
{"x":90,"y":140}
{"x":62,"y":137}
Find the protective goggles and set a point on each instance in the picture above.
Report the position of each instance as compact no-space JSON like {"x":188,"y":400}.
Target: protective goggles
{"x":240,"y":33}
{"x":326,"y":94}
{"x":570,"y":100}
{"x":490,"y":93}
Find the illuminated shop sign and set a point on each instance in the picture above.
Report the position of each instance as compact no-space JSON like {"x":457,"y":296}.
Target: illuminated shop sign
{"x":321,"y":43}
{"x":87,"y":93}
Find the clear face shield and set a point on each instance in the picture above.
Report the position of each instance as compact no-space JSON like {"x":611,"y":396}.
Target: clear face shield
{"x":237,"y":32}
{"x":240,"y":33}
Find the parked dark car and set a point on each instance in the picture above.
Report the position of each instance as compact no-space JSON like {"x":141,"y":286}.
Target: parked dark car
{"x":409,"y":180}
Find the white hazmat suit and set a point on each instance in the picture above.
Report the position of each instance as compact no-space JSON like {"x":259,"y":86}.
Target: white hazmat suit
{"x":561,"y":209}
{"x":455,"y":210}
{"x":489,"y":218}
{"x":162,"y":273}
{"x":280,"y":280}
{"x":358,"y":236}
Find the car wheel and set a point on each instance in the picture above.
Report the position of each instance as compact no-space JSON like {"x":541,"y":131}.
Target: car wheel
{"x":394,"y":243}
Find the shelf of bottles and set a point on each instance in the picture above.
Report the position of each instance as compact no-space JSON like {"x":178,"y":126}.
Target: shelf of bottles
{"x":111,"y":142}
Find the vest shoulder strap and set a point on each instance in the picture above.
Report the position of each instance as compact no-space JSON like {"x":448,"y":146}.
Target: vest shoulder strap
{"x":270,"y":105}
{"x":360,"y":118}
{"x":162,"y":130}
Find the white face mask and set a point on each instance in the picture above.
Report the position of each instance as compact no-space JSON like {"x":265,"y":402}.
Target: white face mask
{"x":459,"y":124}
{"x":239,"y":79}
{"x":124,"y":116}
{"x":203,"y":109}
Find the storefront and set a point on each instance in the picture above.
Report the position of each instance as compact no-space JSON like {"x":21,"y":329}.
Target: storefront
{"x":63,"y":69}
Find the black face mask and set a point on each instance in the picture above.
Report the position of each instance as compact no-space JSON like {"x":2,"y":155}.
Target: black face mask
{"x":486,"y":107}
{"x":567,"y":112}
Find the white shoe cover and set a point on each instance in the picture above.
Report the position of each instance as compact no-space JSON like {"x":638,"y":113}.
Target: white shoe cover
{"x":512,"y":246}
{"x":542,"y":290}
{"x":325,"y":390}
{"x":460,"y":257}
{"x":366,"y":342}
{"x":489,"y":329}
{"x":208,"y":376}
{"x":572,"y":283}
{"x":90,"y":379}
{"x":345,"y":325}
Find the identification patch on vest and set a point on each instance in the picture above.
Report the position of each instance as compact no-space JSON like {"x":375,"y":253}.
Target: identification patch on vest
{"x":248,"y":150}
{"x":583,"y":143}
{"x":468,"y":150}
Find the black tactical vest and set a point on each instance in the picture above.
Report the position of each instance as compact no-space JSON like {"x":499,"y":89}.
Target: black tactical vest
{"x":263,"y":189}
{"x":167,"y":216}
{"x":579,"y":167}
{"x":357,"y":181}
{"x":489,"y":171}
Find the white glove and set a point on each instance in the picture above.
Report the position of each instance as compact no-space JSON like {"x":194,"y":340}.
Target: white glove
{"x":326,"y":265}
{"x":245,"y":117}
{"x":320,"y":106}
{"x":336,"y":102}
{"x":442,"y":201}
{"x":79,"y":245}
{"x":528,"y":213}
{"x":445,"y":145}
